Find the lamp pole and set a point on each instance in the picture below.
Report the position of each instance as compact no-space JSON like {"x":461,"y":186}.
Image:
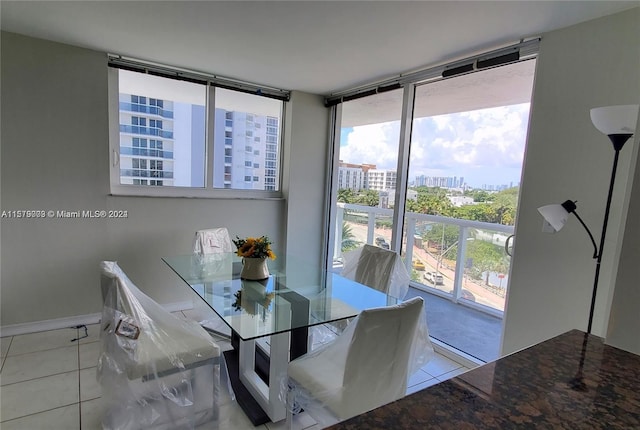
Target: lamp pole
{"x":618,"y":141}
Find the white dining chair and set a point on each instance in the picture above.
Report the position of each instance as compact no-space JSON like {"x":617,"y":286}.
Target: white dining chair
{"x":212,"y":241}
{"x":156,"y":371}
{"x":377,"y":268}
{"x":207,"y":242}
{"x":367,"y":366}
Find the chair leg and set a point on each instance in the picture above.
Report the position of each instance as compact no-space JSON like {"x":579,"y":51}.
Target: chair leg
{"x":289,"y":418}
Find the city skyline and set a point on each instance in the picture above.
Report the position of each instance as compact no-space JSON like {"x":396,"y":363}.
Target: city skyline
{"x":484,"y":146}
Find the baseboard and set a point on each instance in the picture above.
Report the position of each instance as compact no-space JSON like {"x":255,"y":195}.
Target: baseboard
{"x":58,"y":323}
{"x":458,"y":356}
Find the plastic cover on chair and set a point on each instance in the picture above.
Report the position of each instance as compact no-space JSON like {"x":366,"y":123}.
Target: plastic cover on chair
{"x":212,"y":241}
{"x":367,"y":366}
{"x":214,"y":246}
{"x":157,"y":371}
{"x":377,"y":268}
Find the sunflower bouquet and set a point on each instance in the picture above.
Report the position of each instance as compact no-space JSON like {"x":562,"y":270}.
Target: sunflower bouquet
{"x":252,"y":247}
{"x":248,"y":303}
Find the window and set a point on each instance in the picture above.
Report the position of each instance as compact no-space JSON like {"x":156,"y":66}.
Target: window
{"x":461,"y":157}
{"x":162,"y":133}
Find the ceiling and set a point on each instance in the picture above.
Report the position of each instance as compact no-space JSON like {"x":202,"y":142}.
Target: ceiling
{"x":318,"y":47}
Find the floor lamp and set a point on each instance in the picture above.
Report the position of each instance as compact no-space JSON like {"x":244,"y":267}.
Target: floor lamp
{"x":619,"y":123}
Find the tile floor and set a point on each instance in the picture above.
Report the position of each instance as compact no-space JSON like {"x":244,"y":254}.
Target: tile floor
{"x":48,"y":381}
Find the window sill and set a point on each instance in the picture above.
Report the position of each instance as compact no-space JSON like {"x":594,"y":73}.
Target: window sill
{"x":193,"y":193}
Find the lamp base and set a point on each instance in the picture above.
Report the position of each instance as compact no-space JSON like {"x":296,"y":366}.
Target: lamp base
{"x":577,"y":383}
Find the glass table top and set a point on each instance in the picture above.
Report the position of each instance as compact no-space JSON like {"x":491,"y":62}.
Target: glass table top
{"x":295,"y":295}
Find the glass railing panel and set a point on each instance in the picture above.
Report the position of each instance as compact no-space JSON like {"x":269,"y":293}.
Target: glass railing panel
{"x":433,"y":256}
{"x":486,"y":269}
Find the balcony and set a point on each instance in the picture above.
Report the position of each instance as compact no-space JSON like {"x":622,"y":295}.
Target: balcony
{"x":152,"y":110}
{"x":146,"y":152}
{"x":143,"y":173}
{"x":148,"y":131}
{"x":461,"y":271}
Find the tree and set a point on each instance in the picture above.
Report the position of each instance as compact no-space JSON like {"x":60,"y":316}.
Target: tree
{"x":431,"y":201}
{"x":346,"y":195}
{"x":486,"y":258}
{"x":435,"y":235}
{"x":348,"y":238}
{"x":367,"y":198}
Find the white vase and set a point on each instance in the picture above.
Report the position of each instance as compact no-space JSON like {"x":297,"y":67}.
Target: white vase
{"x":254,"y":269}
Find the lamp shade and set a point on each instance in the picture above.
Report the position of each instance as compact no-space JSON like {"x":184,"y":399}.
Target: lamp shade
{"x":615,"y":119}
{"x":555,"y":214}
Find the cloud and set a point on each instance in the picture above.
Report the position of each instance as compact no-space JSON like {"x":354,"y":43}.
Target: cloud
{"x":486,"y":144}
{"x":373,"y":144}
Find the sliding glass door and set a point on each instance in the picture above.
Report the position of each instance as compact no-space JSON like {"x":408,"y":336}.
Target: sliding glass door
{"x":367,"y":177}
{"x":463,"y":154}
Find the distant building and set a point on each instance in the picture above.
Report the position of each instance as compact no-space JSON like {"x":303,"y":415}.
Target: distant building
{"x":162,"y":143}
{"x":380,"y":180}
{"x":458,"y":201}
{"x":439,"y":181}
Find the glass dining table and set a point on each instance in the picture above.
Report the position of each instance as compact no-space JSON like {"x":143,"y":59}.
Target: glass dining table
{"x":296,"y":296}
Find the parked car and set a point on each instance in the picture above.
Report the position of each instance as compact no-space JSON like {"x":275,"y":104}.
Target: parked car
{"x":382,"y":242}
{"x":418,"y":265}
{"x":468,"y":295}
{"x":434,"y":278}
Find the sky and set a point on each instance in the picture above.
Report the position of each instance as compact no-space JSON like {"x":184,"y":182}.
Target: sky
{"x":484,"y":146}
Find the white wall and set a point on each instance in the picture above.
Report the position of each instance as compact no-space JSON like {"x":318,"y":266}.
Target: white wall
{"x":624,"y":321}
{"x":55,"y":156}
{"x":306,"y":140}
{"x":596,"y":63}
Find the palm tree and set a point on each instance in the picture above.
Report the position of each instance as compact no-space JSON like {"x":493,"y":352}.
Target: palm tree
{"x":348,"y":238}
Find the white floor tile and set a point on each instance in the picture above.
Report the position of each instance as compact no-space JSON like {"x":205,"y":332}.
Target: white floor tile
{"x":440,"y":365}
{"x":67,"y":418}
{"x":41,"y":341}
{"x":426,"y":384}
{"x":89,"y":388}
{"x":89,"y":353}
{"x":38,"y":395}
{"x":301,"y":421}
{"x":91,"y":413}
{"x":33,"y":365}
{"x":93,"y":331}
{"x":4,"y":345}
{"x":419,"y":377}
{"x":233,"y":418}
{"x":452,"y":374}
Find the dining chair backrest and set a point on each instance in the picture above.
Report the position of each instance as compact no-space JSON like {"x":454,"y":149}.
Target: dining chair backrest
{"x":377,"y":364}
{"x":212,"y":241}
{"x":156,"y":370}
{"x":379,"y":269}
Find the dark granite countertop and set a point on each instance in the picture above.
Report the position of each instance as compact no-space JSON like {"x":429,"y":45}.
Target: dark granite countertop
{"x":534,"y":388}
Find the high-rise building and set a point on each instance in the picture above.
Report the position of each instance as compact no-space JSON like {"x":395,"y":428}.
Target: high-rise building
{"x":162,"y":143}
{"x":381,"y":179}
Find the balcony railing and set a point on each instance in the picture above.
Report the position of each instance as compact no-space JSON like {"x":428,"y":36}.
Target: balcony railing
{"x":142,"y":173}
{"x":479,"y":283}
{"x":149,"y":131}
{"x":152,"y":110}
{"x":160,"y":153}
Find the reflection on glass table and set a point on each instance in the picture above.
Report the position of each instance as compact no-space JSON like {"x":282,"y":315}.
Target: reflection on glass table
{"x":297,"y":295}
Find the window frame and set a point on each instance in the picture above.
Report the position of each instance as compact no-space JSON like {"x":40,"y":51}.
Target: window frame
{"x":119,"y":189}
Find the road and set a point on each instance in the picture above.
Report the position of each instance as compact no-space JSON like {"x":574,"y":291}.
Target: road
{"x":482,"y":295}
